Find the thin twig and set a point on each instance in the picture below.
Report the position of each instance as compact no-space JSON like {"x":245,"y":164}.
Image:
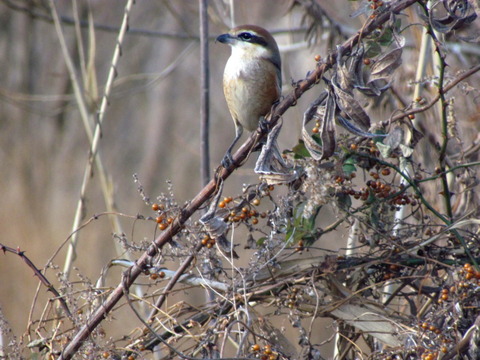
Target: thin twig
{"x":39,"y":275}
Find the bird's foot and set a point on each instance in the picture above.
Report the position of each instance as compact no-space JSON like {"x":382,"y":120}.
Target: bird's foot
{"x":227,"y":160}
{"x":264,"y":125}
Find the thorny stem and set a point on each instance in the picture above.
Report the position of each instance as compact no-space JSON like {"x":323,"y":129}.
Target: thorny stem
{"x":443,"y":111}
{"x":42,"y":278}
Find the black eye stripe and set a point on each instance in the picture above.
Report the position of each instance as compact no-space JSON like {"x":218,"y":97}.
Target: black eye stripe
{"x":245,"y":36}
{"x":251,"y":38}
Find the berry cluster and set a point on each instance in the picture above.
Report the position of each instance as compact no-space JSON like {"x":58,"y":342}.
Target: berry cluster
{"x":163,"y":219}
{"x":375,"y":4}
{"x":243,"y":211}
{"x":265,"y":353}
{"x":208,"y":242}
{"x":379,"y":188}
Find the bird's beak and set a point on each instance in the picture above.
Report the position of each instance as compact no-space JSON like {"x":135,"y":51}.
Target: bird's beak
{"x":225,"y":39}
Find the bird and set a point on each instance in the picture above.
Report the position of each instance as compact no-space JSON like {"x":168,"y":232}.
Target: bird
{"x":252,"y":79}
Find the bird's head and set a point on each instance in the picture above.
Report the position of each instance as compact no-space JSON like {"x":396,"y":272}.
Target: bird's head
{"x":252,"y":42}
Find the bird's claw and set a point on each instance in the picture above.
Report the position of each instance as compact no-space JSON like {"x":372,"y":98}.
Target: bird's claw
{"x":263,"y":125}
{"x":227,"y":160}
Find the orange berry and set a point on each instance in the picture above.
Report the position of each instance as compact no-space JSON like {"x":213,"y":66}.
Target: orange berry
{"x":221,"y":204}
{"x":155,"y":207}
{"x":162,"y":226}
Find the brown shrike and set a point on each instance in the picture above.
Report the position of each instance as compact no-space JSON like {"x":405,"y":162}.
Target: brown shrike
{"x":252,"y":80}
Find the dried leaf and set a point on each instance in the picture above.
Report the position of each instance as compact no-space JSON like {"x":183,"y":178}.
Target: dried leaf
{"x":354,"y":130}
{"x":385,"y":150}
{"x":387,"y":64}
{"x":344,"y":77}
{"x":323,"y":111}
{"x":459,"y":13}
{"x":351,"y":107}
{"x":327,"y":130}
{"x":216,"y":227}
{"x":275,"y":179}
{"x":395,"y":137}
{"x":356,"y":67}
{"x":374,"y":88}
{"x":407,"y":151}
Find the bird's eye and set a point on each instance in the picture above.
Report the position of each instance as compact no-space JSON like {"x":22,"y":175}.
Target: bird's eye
{"x":245,"y":36}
